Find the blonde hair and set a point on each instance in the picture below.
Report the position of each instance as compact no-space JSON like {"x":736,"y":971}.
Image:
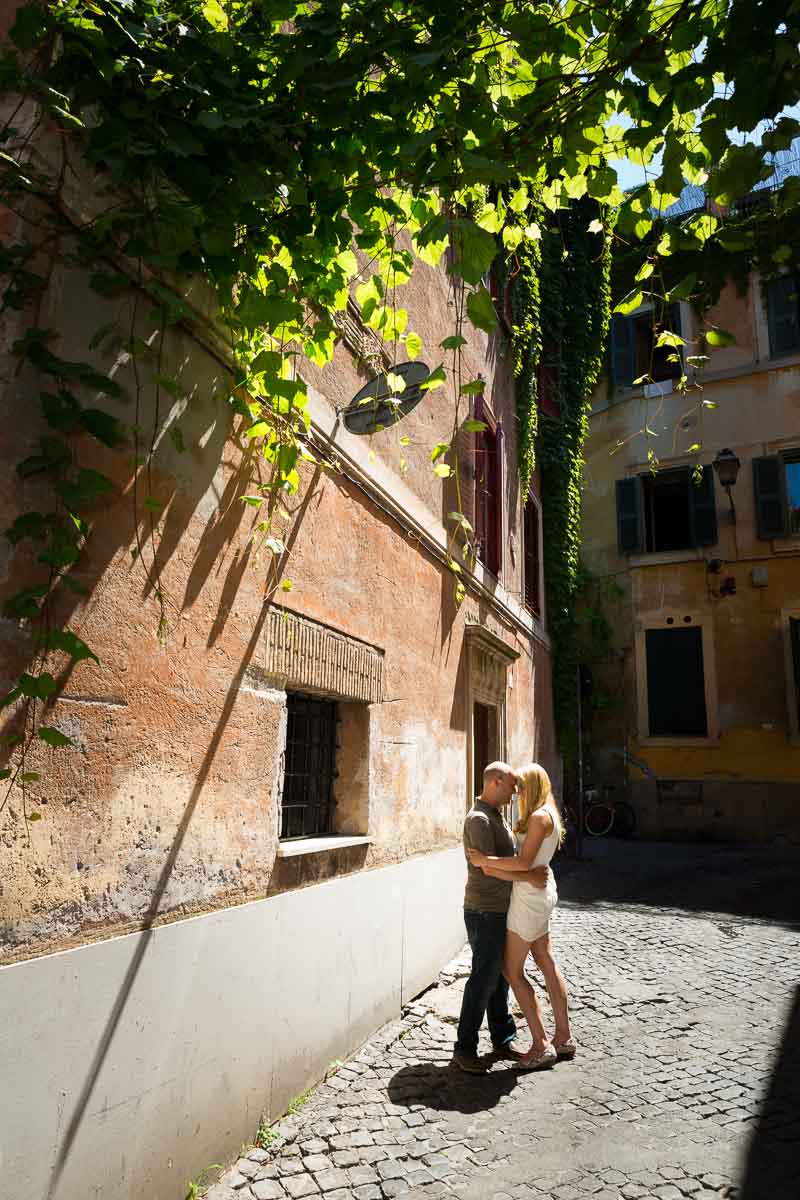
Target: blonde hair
{"x":535,"y":791}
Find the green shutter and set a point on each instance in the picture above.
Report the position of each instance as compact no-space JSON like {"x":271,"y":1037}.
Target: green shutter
{"x":769,"y":485}
{"x":783,"y":312}
{"x":623,"y":350}
{"x":629,"y":516}
{"x":703,"y":508}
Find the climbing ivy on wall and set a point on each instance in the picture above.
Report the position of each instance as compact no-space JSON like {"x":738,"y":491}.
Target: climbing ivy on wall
{"x":569,"y":314}
{"x":525,"y":281}
{"x":290,"y":156}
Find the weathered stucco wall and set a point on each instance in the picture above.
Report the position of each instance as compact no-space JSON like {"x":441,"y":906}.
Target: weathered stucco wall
{"x":166,"y":1048}
{"x":751,"y":773}
{"x":171,"y":803}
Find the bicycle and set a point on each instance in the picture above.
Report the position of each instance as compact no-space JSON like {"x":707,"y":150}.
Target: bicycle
{"x":603,"y":815}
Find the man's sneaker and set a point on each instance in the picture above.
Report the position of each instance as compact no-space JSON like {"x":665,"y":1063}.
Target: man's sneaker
{"x":509,"y":1050}
{"x":468,"y":1062}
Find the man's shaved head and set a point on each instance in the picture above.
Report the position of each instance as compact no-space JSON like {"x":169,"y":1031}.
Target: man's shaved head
{"x":496,"y":768}
{"x":499,"y":784}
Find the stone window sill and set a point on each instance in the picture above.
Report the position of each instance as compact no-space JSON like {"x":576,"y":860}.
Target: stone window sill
{"x":659,"y":558}
{"x":319,"y":845}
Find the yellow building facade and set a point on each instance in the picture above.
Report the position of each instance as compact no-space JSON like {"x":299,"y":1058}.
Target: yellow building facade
{"x":701,"y":726}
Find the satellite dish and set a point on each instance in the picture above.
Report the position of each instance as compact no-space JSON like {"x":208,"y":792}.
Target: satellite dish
{"x":377,"y":406}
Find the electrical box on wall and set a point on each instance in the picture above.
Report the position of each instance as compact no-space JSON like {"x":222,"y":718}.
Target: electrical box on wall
{"x":760,"y":576}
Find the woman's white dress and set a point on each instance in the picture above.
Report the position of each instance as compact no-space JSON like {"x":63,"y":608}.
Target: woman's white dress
{"x":531,"y":907}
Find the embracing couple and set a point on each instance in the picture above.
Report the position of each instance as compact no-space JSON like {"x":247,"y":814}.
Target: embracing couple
{"x":509,"y":898}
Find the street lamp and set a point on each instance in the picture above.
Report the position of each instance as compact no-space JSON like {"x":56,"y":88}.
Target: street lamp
{"x":726,"y":464}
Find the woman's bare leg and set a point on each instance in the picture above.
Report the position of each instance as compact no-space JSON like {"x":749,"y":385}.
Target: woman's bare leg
{"x":556,"y":986}
{"x":514,"y":970}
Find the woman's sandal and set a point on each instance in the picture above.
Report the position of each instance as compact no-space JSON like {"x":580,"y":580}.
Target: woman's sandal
{"x":538,"y":1060}
{"x":566,"y":1050}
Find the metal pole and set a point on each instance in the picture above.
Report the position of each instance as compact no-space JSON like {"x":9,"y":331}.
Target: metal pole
{"x":579,"y":830}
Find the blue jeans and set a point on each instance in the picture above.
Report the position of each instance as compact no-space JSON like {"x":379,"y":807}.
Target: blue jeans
{"x":486,"y":992}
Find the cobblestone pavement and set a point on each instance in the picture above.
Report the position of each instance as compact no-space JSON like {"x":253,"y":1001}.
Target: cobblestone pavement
{"x":683,"y":966}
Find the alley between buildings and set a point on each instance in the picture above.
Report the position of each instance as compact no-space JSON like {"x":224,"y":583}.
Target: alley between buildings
{"x":684,"y":977}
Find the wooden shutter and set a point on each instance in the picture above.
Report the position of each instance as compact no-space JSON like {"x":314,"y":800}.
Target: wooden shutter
{"x":629,"y":516}
{"x":530,"y":533}
{"x":703,"y":508}
{"x":499,"y":497}
{"x":623,"y":350}
{"x":769,"y":483}
{"x":463,"y":461}
{"x":782,"y":315}
{"x":478,"y":477}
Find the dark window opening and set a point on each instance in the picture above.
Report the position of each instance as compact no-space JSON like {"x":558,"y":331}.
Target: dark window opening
{"x":488,"y":513}
{"x":783,"y":315}
{"x":634,"y":351}
{"x":794,"y":638}
{"x":309,"y":766}
{"x":676,"y":697}
{"x":670,"y":510}
{"x":531,"y":558}
{"x":667,"y":518}
{"x":485,"y":747}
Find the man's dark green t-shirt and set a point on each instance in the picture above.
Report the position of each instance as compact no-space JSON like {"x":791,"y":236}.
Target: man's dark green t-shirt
{"x":485,"y":829}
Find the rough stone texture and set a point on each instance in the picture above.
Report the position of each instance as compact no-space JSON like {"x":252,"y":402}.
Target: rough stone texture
{"x":170,"y":803}
{"x":682,"y":967}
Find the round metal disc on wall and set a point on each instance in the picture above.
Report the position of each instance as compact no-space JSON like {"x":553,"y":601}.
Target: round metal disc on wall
{"x":377,"y":406}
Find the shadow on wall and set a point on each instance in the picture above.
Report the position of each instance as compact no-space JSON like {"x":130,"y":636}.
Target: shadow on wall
{"x":142,"y":943}
{"x":772,"y":1165}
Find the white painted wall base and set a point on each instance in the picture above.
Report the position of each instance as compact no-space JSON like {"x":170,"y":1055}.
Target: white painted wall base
{"x":129,"y":1065}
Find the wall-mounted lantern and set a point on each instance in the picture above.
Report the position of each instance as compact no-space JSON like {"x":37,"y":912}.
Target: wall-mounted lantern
{"x":726,"y":464}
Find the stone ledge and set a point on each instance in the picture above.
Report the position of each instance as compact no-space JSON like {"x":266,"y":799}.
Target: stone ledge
{"x":318,"y":845}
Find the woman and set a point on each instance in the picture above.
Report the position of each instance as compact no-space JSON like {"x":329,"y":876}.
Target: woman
{"x":540,"y":831}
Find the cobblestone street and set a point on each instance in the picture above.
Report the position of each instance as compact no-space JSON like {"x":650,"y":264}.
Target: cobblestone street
{"x":683,"y":965}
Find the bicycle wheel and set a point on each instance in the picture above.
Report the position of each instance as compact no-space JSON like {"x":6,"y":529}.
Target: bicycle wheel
{"x":598,"y":819}
{"x":624,"y":819}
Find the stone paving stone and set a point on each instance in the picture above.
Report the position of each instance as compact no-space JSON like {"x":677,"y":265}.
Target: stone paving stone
{"x":332,"y":1179}
{"x":236,"y":1180}
{"x":394,"y":1187}
{"x":298,"y":1186}
{"x":290,"y":1166}
{"x":267,"y":1171}
{"x":247,"y":1167}
{"x":345,"y":1158}
{"x":267,"y":1189}
{"x":391,"y":1170}
{"x":358,"y":1176}
{"x":316,"y":1162}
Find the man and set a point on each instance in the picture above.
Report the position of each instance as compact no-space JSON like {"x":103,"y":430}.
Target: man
{"x":486,"y":902}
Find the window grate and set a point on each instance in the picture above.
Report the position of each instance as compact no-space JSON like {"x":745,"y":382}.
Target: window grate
{"x":309,"y":766}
